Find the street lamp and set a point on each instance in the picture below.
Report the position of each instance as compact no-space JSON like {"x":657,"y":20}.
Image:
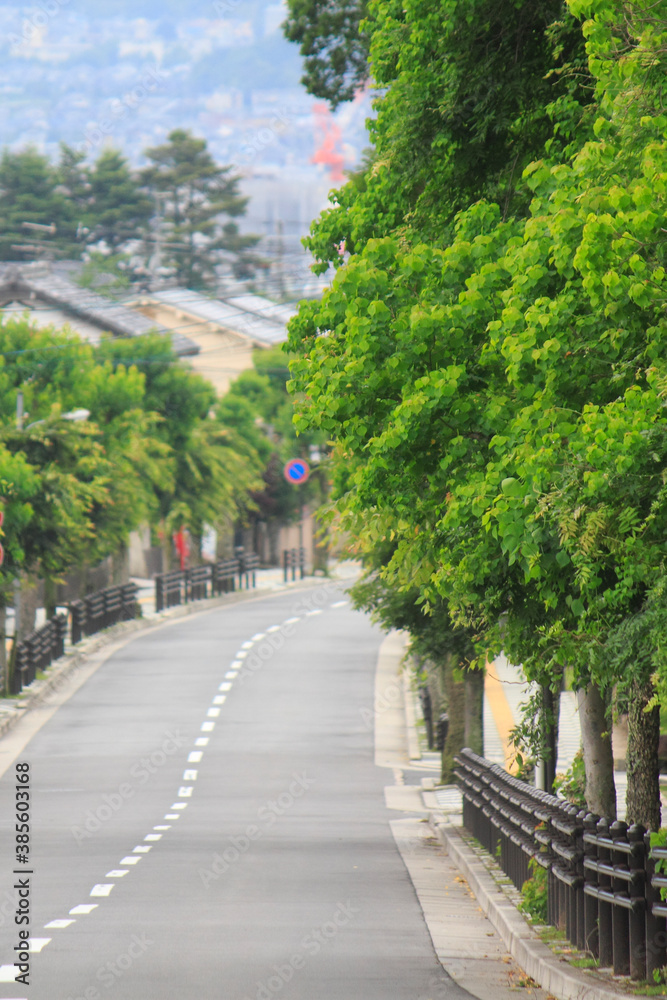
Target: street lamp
{"x":72,"y":415}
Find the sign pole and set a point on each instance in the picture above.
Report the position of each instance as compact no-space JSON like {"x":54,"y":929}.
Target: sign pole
{"x":296,"y":472}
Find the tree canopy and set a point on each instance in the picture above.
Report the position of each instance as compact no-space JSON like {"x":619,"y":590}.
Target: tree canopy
{"x":116,"y":219}
{"x":490,"y":368}
{"x":151,"y":449}
{"x":334,"y":44}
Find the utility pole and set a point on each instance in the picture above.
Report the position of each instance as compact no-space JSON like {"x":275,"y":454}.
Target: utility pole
{"x":20,"y":414}
{"x":280,"y":267}
{"x":155,"y":262}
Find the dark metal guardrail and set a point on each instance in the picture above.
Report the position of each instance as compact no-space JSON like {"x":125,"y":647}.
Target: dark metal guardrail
{"x":294,"y":559}
{"x":37,"y":651}
{"x":106,"y":607}
{"x":224,"y":576}
{"x":183,"y":586}
{"x":602,"y":887}
{"x":198,"y":582}
{"x":170,"y":589}
{"x":249,"y":563}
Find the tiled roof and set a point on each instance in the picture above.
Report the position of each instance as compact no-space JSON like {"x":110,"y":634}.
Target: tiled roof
{"x":25,"y":282}
{"x":251,"y":316}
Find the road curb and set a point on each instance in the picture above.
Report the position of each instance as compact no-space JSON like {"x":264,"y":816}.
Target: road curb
{"x":61,"y":669}
{"x":530,"y":953}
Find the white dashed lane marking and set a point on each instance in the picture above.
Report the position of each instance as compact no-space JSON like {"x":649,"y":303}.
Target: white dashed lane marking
{"x":339,"y":604}
{"x":100,"y":890}
{"x":7,"y":973}
{"x":36,"y":944}
{"x":316,"y":611}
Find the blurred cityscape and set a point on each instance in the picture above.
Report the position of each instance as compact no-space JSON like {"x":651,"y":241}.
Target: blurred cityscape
{"x":122,"y":74}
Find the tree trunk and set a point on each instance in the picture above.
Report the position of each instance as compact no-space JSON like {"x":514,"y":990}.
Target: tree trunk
{"x":4,"y":662}
{"x":50,"y":589}
{"x":28,"y":599}
{"x":120,"y":567}
{"x":598,"y":758}
{"x":320,"y":547}
{"x":474,"y":711}
{"x":551,"y":712}
{"x":643,"y":801}
{"x":167,"y":547}
{"x":456,"y":711}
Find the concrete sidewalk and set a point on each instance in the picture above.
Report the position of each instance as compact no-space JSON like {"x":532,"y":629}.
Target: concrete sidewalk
{"x":469,"y":904}
{"x":468,"y":946}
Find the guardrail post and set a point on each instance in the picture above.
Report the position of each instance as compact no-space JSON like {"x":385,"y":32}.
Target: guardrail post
{"x":575,"y":889}
{"x":656,"y":936}
{"x":60,"y":626}
{"x":604,"y":907}
{"x":78,"y":612}
{"x":580,"y":899}
{"x":637,"y":865}
{"x":590,"y":902}
{"x":620,"y":922}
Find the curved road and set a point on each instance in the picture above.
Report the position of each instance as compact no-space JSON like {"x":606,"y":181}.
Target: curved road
{"x":208,"y":822}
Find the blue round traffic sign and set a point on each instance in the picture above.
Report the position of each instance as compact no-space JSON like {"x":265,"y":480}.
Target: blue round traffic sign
{"x":296,"y":471}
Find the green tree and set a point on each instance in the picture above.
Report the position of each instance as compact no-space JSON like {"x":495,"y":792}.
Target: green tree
{"x":119,"y":209}
{"x":72,"y":176}
{"x":110,"y":464}
{"x":213,"y":467}
{"x":197,"y":195}
{"x":334,"y":45}
{"x":468,"y":97}
{"x":258,"y":408}
{"x":28,"y":193}
{"x":487,"y":395}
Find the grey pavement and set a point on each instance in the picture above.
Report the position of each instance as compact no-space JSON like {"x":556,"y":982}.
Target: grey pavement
{"x":467,"y":944}
{"x":208,"y":819}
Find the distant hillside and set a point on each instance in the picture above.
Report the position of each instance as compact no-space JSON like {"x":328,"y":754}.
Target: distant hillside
{"x":267,"y":64}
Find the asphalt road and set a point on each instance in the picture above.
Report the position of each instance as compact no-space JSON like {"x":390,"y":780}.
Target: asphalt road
{"x":208,"y":822}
